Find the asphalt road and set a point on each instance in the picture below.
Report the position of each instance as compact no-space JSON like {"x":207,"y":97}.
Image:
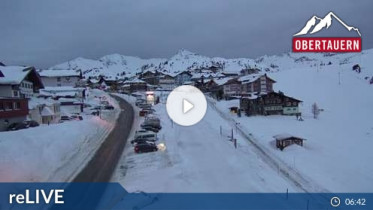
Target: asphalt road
{"x":101,"y":167}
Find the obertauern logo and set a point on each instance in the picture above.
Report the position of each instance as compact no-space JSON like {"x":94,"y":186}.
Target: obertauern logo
{"x":326,"y":44}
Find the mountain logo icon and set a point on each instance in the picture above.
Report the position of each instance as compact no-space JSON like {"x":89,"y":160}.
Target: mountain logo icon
{"x":348,"y":40}
{"x":316,"y":24}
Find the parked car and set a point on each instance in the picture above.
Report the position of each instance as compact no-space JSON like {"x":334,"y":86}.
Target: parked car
{"x":141,"y":133}
{"x":65,"y":118}
{"x":31,"y":123}
{"x":144,"y":105}
{"x":76,"y":117}
{"x":148,"y":135}
{"x":96,"y":113}
{"x":146,"y":147}
{"x":151,"y":128}
{"x":153,"y":119}
{"x":139,"y":101}
{"x":145,"y":112}
{"x":109,"y":107}
{"x":142,"y":141}
{"x":153,"y":122}
{"x":106,"y":103}
{"x":97,"y":108}
{"x":17,"y":126}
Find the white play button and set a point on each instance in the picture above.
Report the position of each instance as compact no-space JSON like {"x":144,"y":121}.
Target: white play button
{"x":186,"y":105}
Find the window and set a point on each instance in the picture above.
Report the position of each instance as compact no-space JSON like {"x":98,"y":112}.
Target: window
{"x":17,"y":105}
{"x":8,"y":106}
{"x":1,"y":106}
{"x":58,"y":79}
{"x":15,"y":93}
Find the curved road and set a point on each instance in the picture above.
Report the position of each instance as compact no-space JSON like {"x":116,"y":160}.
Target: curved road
{"x":101,"y":167}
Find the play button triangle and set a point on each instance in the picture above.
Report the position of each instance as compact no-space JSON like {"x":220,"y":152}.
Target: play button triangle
{"x":187,"y":106}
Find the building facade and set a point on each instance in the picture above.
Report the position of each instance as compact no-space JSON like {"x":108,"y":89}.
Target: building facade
{"x":58,"y":78}
{"x":270,"y":104}
{"x":12,"y":110}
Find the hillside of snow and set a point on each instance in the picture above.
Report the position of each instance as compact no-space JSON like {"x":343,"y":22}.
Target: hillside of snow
{"x":120,"y":66}
{"x":339,"y":143}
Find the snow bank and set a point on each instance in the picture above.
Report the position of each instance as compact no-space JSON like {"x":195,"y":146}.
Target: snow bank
{"x":57,"y":152}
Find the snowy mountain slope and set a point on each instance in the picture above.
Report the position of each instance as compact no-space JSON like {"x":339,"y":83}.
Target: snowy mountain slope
{"x":116,"y":65}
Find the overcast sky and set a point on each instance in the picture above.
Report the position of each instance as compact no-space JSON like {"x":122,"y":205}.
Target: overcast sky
{"x":47,"y":32}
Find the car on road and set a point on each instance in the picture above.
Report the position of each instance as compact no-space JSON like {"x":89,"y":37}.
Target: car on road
{"x":145,"y":147}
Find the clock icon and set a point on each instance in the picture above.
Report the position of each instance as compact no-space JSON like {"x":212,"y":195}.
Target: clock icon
{"x":335,"y":201}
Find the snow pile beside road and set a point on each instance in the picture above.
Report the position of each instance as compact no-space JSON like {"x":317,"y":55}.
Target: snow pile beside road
{"x":55,"y":152}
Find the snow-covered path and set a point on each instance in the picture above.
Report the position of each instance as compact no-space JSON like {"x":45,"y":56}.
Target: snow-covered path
{"x":199,"y":159}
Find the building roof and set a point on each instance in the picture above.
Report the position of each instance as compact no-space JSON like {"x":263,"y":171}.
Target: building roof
{"x":13,"y":75}
{"x":284,"y":136}
{"x":59,"y":73}
{"x":62,"y":89}
{"x":252,"y":78}
{"x":35,"y":102}
{"x":47,"y":112}
{"x":135,"y":80}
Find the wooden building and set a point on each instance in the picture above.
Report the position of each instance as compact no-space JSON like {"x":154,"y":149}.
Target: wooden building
{"x":256,"y":83}
{"x":134,"y":85}
{"x":12,"y":110}
{"x":284,"y":140}
{"x":270,"y":104}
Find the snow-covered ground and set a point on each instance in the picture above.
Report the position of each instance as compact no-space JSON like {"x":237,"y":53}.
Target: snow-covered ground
{"x":56,"y":152}
{"x":338,"y":149}
{"x":335,"y":157}
{"x":198,"y":159}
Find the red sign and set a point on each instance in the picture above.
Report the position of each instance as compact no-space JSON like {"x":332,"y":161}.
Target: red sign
{"x":326,"y":44}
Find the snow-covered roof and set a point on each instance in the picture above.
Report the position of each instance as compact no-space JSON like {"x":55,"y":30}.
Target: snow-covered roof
{"x":284,"y":136}
{"x":252,"y":77}
{"x":135,"y":80}
{"x":47,"y":112}
{"x":34,"y":102}
{"x":62,"y":89}
{"x":222,"y":81}
{"x":59,"y":73}
{"x":13,"y":75}
{"x":249,"y":78}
